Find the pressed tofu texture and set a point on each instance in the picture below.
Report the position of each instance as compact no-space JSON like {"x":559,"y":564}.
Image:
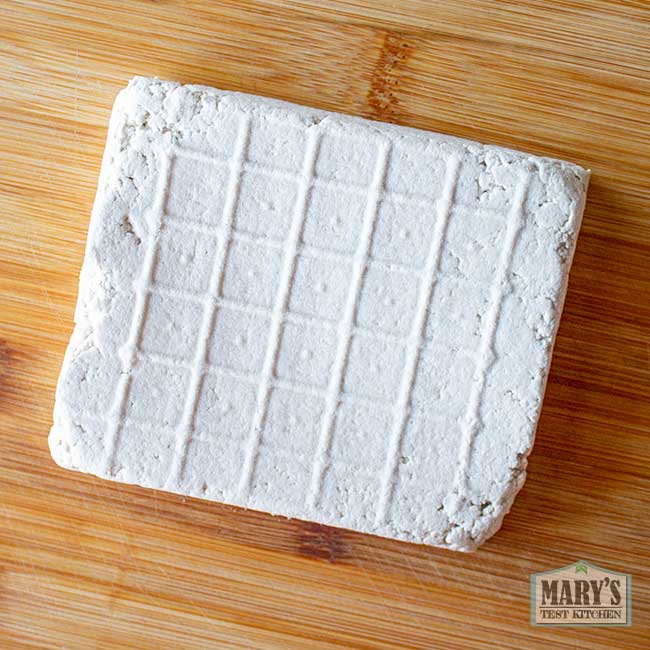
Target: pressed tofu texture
{"x":315,"y":315}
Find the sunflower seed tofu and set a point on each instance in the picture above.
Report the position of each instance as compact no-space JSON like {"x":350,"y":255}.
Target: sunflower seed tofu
{"x":315,"y":315}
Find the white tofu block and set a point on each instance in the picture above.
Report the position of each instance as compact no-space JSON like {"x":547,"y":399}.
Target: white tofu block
{"x":315,"y":315}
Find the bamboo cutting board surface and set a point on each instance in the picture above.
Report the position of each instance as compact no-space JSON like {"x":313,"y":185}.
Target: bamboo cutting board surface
{"x":86,"y":563}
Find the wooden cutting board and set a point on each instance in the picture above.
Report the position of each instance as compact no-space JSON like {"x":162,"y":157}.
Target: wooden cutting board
{"x":85,"y":563}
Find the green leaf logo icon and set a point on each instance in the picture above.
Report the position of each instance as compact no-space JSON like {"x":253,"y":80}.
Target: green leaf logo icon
{"x":581,"y":567}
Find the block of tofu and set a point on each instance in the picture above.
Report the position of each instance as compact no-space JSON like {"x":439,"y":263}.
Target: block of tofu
{"x":315,"y":315}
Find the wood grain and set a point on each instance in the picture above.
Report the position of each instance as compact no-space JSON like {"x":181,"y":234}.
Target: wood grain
{"x":89,"y":564}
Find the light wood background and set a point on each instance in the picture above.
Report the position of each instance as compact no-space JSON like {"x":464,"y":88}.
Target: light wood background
{"x":90,"y":564}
